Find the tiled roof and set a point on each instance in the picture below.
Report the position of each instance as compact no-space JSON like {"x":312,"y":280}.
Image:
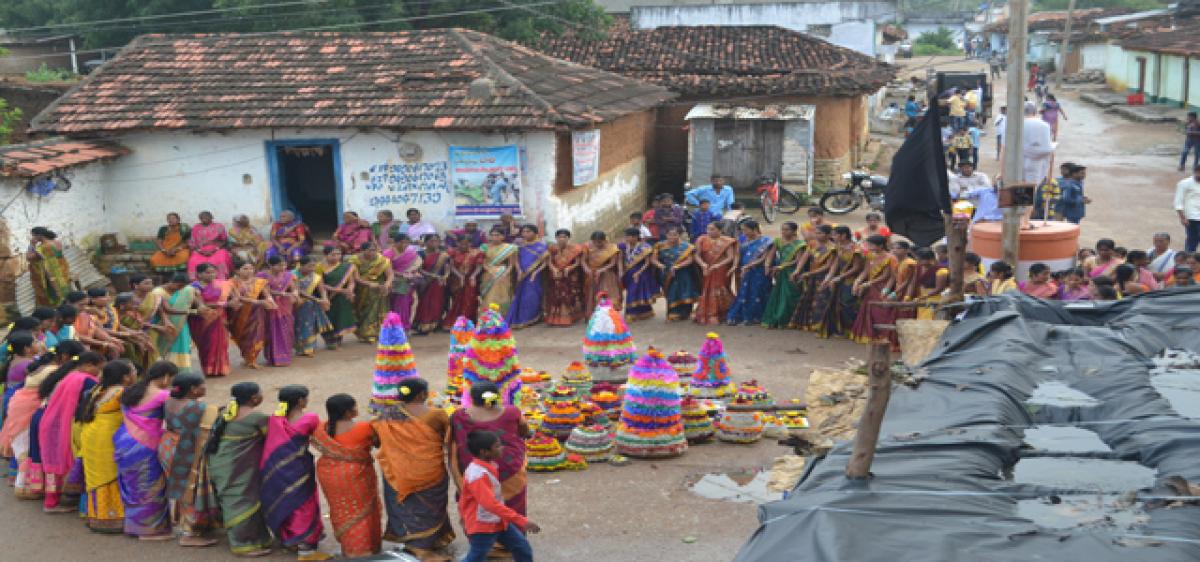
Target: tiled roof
{"x":411,"y":80}
{"x":1057,"y":19}
{"x":1172,"y":42}
{"x":726,"y":61}
{"x":44,"y":156}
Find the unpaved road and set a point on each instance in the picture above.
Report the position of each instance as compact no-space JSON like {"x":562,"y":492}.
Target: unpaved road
{"x":641,"y":511}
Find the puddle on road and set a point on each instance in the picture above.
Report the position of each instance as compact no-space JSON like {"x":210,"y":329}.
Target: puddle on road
{"x":1092,"y":475}
{"x":1066,"y":439}
{"x":1057,"y":393}
{"x":1084,"y":510}
{"x":741,"y":486}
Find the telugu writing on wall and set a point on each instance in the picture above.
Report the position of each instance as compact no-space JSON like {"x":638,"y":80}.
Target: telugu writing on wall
{"x":407,"y":184}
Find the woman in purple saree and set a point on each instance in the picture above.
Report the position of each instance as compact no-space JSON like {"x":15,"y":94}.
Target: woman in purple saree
{"x":281,"y":320}
{"x":208,"y":242}
{"x":406,"y":269}
{"x":140,"y":475}
{"x":526,"y":309}
{"x":638,"y":277}
{"x":289,"y":238}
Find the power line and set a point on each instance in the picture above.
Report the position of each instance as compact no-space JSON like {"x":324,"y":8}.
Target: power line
{"x":163,"y":16}
{"x":327,"y":27}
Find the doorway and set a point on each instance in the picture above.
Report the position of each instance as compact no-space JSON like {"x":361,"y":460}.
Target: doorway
{"x":746,"y":149}
{"x":1141,"y":75}
{"x":306,"y":179}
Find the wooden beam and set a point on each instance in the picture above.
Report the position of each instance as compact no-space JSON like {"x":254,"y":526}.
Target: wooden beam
{"x":879,"y":390}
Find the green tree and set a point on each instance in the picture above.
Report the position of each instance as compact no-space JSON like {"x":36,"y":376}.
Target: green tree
{"x":10,"y":118}
{"x":941,"y":38}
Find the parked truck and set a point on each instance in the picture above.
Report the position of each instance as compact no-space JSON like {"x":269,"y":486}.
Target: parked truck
{"x":940,"y":83}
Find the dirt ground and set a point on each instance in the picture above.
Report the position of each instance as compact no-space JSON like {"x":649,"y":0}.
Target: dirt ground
{"x":642,"y":511}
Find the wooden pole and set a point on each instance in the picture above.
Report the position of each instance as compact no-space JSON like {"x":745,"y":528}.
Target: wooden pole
{"x":1063,"y":48}
{"x":1018,"y":12}
{"x":879,"y":390}
{"x":956,"y":246}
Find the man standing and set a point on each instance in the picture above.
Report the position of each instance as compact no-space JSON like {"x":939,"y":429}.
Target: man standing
{"x":967,"y":180}
{"x":912,"y":110}
{"x":1037,"y":148}
{"x":416,"y":229}
{"x":717,"y":193}
{"x":1187,"y":205}
{"x":1001,"y":123}
{"x":1072,"y":203}
{"x":1191,"y":141}
{"x":666,"y":215}
{"x":958,"y":110}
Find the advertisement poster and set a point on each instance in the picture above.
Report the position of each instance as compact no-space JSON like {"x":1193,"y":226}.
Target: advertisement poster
{"x":585,"y":151}
{"x":486,"y":180}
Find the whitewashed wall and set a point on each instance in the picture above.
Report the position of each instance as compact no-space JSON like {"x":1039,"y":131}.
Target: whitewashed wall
{"x":1093,"y":55}
{"x":78,"y":215}
{"x":188,"y":173}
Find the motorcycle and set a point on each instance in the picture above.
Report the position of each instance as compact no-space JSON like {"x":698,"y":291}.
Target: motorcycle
{"x":861,"y":187}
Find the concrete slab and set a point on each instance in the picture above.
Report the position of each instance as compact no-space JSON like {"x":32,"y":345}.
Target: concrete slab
{"x":1148,"y":113}
{"x":1103,"y":98}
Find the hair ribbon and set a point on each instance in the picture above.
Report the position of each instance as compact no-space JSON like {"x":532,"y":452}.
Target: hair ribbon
{"x":405,"y":390}
{"x":231,"y":410}
{"x":491,"y":398}
{"x":282,"y":409}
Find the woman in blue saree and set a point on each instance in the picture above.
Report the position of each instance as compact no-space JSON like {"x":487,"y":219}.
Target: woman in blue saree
{"x":140,"y":475}
{"x":755,"y":258}
{"x":641,"y":283}
{"x":289,"y":484}
{"x":675,"y":260}
{"x":526,"y":309}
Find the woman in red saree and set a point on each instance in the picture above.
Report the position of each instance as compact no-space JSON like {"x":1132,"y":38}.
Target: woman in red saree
{"x":716,"y":257}
{"x":465,"y":263}
{"x":416,"y":490}
{"x":431,"y":287}
{"x":63,"y":390}
{"x":601,"y":272}
{"x":346,"y":472}
{"x":289,"y":487}
{"x":248,"y":313}
{"x":564,"y":297}
{"x":208,"y":242}
{"x":208,"y":328}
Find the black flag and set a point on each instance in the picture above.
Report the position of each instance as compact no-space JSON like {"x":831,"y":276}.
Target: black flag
{"x":917,"y":192}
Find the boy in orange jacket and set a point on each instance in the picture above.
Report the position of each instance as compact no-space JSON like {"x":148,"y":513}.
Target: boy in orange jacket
{"x":485,"y":517}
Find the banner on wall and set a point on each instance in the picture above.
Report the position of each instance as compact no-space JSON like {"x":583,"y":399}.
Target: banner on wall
{"x":486,"y":180}
{"x":585,"y":152}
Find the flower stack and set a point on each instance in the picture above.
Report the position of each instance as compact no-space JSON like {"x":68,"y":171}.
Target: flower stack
{"x":651,"y":425}
{"x":562,"y":412}
{"x":460,"y":340}
{"x":711,"y":379}
{"x":607,"y":398}
{"x":539,"y":380}
{"x":492,"y":356}
{"x":750,"y":392}
{"x":544,"y":453}
{"x":594,"y":443}
{"x":697,"y":425}
{"x":607,"y":342}
{"x":684,"y":364}
{"x":579,"y":378}
{"x":394,"y":362}
{"x":740,"y":427}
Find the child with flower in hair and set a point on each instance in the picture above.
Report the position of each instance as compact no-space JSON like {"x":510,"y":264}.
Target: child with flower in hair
{"x":289,"y":485}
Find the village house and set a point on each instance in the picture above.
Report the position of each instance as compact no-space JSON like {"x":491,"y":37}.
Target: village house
{"x":1164,"y":66}
{"x":455,"y":123}
{"x":771,"y":74}
{"x":1045,"y":31}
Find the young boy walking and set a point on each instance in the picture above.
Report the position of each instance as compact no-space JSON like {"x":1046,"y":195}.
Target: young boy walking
{"x":485,"y":517}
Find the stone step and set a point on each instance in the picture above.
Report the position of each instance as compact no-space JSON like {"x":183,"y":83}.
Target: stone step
{"x":1147,"y":113}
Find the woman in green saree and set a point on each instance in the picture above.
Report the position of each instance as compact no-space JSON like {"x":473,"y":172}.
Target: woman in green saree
{"x":372,"y":287}
{"x":337,"y":278}
{"x":234,"y":452}
{"x":499,"y":262}
{"x":48,"y":269}
{"x":176,"y":300}
{"x":789,"y":253}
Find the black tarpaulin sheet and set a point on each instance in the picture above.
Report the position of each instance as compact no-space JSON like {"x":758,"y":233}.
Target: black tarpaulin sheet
{"x":940,"y":488}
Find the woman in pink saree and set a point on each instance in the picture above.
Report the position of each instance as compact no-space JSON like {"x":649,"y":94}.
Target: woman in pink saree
{"x":406,"y":266}
{"x":352,"y":233}
{"x":63,"y":390}
{"x":289,"y":485}
{"x":281,"y":320}
{"x":208,"y":243}
{"x":140,"y":476}
{"x":208,"y":328}
{"x":1106,"y":260}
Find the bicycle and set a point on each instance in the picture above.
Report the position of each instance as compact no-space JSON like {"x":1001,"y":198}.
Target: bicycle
{"x":774,"y":198}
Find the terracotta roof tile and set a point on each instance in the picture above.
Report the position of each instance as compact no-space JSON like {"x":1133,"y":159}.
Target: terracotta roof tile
{"x":1180,"y":41}
{"x":39,"y":157}
{"x":413,"y":79}
{"x":726,"y":61}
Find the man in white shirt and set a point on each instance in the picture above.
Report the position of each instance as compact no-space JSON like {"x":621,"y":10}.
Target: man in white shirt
{"x":976,"y":186}
{"x":416,"y":228}
{"x":1037,"y":147}
{"x":1187,"y":204}
{"x":1001,"y":124}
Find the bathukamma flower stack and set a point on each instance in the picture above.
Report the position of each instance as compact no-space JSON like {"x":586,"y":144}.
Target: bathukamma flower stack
{"x":562,"y":412}
{"x":651,"y":425}
{"x":750,"y":392}
{"x":607,"y":342}
{"x":697,"y":426}
{"x":594,"y":443}
{"x":394,"y":362}
{"x":607,"y":398}
{"x":684,"y":364}
{"x":460,"y":340}
{"x":711,"y":379}
{"x":544,"y":453}
{"x":740,"y":427}
{"x":578,"y":378}
{"x":492,"y":356}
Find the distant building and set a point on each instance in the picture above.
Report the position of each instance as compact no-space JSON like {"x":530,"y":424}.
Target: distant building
{"x":1164,"y":66}
{"x":763,"y":69}
{"x":25,"y":54}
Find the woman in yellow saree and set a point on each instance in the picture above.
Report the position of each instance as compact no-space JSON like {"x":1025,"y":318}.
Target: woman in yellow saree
{"x":372,"y":286}
{"x":601,"y":272}
{"x":48,"y":269}
{"x":100,"y":419}
{"x":499,"y":262}
{"x":173,"y":253}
